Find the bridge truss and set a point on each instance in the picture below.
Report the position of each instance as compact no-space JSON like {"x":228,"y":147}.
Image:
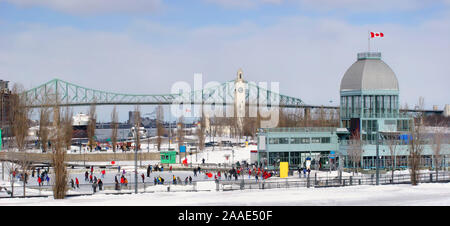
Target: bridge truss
{"x":69,"y":94}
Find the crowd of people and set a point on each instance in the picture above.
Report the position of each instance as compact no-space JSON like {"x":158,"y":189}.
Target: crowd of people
{"x":240,"y":172}
{"x":121,"y":180}
{"x":91,"y":179}
{"x":42,"y":177}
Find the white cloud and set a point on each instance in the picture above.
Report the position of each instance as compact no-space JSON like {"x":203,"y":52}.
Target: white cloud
{"x":308,"y":57}
{"x":327,"y":5}
{"x":364,"y":5}
{"x":91,"y":6}
{"x":243,"y":3}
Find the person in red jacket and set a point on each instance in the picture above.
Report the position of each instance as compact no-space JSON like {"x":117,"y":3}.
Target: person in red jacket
{"x":77,"y":182}
{"x":39,"y":181}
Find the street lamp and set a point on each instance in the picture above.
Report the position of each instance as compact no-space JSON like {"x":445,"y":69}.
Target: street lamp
{"x":377,"y":159}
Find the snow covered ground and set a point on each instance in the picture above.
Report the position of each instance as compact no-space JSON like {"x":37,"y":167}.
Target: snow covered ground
{"x":424,"y":194}
{"x":386,"y":195}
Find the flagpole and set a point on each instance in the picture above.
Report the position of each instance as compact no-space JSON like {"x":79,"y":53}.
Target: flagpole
{"x":368,"y":40}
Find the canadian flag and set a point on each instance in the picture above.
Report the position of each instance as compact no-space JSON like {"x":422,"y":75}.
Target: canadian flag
{"x":376,"y":34}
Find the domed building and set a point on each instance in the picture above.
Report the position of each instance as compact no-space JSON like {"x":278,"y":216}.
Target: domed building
{"x":369,"y":98}
{"x":370,"y":109}
{"x":370,"y":119}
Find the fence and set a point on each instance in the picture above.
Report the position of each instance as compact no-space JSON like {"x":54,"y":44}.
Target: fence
{"x":242,"y":184}
{"x":317,"y":182}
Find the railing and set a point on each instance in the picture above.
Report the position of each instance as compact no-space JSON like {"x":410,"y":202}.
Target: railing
{"x":310,"y":181}
{"x":369,"y":55}
{"x":374,"y":115}
{"x":385,"y":142}
{"x":299,"y":129}
{"x":318,"y":182}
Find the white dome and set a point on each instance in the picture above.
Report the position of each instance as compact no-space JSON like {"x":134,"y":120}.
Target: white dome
{"x":369,"y":72}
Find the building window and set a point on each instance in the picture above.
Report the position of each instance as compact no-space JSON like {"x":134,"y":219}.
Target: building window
{"x":325,"y":140}
{"x":294,"y":158}
{"x":273,"y":140}
{"x":284,"y":140}
{"x":402,"y":125}
{"x":295,"y":140}
{"x":276,"y":157}
{"x":305,"y":140}
{"x":315,"y":140}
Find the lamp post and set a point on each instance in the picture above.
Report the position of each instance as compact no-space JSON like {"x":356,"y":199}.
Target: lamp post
{"x":135,"y":167}
{"x":377,"y":159}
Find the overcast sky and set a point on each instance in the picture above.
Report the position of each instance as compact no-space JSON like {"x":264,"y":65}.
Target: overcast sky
{"x":145,"y":46}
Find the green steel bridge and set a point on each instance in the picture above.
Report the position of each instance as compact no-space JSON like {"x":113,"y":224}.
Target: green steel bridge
{"x":69,"y":94}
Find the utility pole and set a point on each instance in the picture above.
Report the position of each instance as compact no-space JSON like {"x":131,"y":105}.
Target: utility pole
{"x":135,"y":166}
{"x":136,"y":133}
{"x":377,"y":159}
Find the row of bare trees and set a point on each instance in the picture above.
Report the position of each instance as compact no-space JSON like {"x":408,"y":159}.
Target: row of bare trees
{"x":415,"y":144}
{"x":239,"y":127}
{"x":54,"y":136}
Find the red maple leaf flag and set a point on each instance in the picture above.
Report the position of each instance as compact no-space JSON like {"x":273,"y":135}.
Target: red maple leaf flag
{"x":376,"y":34}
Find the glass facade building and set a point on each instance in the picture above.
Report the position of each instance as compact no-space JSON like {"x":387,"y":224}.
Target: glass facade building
{"x":369,"y":106}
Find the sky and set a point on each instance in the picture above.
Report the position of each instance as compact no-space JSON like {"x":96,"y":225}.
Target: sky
{"x":146,"y":46}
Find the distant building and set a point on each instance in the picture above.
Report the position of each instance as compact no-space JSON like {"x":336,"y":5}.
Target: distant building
{"x":447,"y":110}
{"x":5,"y":95}
{"x":132,"y":117}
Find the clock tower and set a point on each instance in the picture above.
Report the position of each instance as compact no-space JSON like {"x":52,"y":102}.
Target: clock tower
{"x":239,"y":95}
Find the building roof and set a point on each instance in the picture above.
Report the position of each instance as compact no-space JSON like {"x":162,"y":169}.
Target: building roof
{"x":369,"y":72}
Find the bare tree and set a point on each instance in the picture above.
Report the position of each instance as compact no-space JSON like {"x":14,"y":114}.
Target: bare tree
{"x":67,"y":126}
{"x":219,"y":124}
{"x":19,"y":122}
{"x":92,"y":126}
{"x":19,"y":116}
{"x":416,"y":143}
{"x":321,"y":120}
{"x":114,"y":129}
{"x":159,"y":126}
{"x":44,"y":123}
{"x":137,"y":137}
{"x":355,"y":150}
{"x":437,"y":141}
{"x":212,"y":128}
{"x":201,"y":134}
{"x":59,"y":146}
{"x":137,"y":125}
{"x":392,"y":142}
{"x":180,"y":131}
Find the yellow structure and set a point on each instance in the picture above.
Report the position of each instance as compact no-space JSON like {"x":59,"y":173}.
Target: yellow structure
{"x":284,"y":168}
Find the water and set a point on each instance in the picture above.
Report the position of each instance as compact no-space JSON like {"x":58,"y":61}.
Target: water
{"x":103,"y":134}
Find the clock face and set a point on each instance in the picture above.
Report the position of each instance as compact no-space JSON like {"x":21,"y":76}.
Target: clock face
{"x":241,"y":89}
